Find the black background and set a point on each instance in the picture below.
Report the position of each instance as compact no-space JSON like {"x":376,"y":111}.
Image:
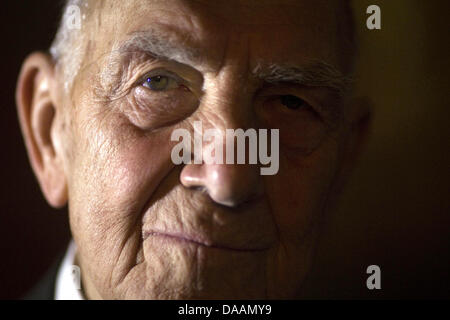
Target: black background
{"x":394,"y":214}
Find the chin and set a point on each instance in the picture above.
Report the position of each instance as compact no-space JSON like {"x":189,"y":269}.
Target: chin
{"x":190,"y":271}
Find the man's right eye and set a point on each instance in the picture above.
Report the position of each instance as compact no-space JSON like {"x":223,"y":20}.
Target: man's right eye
{"x":160,"y":83}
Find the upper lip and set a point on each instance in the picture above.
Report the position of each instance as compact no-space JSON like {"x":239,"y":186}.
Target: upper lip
{"x":200,"y":241}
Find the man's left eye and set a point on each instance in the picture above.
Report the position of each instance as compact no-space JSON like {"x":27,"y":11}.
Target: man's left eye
{"x":160,"y":83}
{"x":292,"y":102}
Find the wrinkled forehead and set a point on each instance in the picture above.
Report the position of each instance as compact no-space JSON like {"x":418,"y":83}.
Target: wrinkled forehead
{"x":291,"y":31}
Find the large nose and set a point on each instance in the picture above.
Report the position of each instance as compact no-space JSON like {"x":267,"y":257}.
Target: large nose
{"x":227,"y":104}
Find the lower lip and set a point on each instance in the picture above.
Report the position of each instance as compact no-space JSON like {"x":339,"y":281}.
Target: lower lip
{"x":184,"y":240}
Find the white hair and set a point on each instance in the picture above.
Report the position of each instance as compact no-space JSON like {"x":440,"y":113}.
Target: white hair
{"x":68,"y":44}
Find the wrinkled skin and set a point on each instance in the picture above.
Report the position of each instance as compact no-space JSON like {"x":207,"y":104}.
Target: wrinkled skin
{"x":147,"y":229}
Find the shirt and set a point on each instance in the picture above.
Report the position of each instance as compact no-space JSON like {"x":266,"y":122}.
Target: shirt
{"x":68,"y":280}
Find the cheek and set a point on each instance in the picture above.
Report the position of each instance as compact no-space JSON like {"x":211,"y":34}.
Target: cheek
{"x":115,"y":159}
{"x":115,"y":172}
{"x":300,"y":190}
{"x":298,"y":194}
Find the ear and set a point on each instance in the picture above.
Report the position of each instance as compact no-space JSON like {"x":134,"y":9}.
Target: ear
{"x":35,"y":99}
{"x":359,"y":120}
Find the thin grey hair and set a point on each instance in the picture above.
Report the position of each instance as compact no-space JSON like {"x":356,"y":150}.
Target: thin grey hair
{"x":68,"y":45}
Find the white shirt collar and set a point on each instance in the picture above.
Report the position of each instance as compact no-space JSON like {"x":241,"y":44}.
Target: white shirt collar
{"x":68,"y":281}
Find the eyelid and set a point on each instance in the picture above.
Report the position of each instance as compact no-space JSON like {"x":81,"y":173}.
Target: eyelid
{"x":161,"y":72}
{"x":279,"y":92}
{"x":319,"y":100}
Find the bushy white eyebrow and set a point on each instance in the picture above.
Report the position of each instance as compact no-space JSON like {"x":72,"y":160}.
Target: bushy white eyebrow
{"x":316,"y":74}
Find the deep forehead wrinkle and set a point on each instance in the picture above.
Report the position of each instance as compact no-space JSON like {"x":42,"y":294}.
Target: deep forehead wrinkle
{"x":162,"y":45}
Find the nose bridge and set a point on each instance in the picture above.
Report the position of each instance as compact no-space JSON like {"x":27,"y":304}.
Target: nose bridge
{"x":226,"y":104}
{"x":223,"y":110}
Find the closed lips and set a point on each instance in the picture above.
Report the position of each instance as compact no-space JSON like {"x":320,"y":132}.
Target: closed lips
{"x":197,"y":241}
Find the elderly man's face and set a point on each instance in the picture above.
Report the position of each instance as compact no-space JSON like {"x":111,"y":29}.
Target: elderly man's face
{"x":146,"y":228}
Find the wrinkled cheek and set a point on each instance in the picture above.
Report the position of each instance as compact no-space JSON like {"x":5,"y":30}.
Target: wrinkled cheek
{"x":114,"y":174}
{"x":119,"y":167}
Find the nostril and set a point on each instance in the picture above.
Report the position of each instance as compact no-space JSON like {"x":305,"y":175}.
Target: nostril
{"x":227,"y":195}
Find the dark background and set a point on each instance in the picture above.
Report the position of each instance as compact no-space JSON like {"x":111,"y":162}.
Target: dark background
{"x":394,"y":213}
